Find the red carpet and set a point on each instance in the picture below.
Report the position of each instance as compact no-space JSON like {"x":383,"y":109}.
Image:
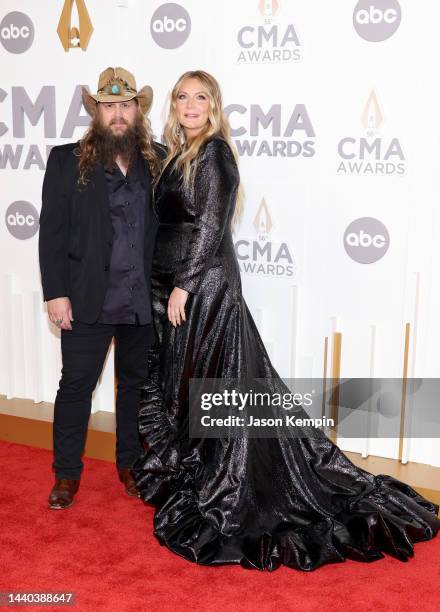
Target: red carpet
{"x":103,"y":550}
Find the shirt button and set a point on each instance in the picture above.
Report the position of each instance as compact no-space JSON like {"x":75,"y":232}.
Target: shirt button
{"x":126,"y":203}
{"x":133,"y":267}
{"x":132,"y":245}
{"x":131,"y":288}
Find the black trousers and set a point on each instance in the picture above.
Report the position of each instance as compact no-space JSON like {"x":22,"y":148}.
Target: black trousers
{"x":84,"y":349}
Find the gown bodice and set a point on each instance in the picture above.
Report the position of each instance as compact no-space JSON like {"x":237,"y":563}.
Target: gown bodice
{"x":194,"y":232}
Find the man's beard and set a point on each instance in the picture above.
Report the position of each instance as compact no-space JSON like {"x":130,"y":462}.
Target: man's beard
{"x":124,"y":145}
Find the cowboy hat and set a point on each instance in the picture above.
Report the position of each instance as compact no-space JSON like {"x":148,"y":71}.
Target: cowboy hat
{"x":117,"y":85}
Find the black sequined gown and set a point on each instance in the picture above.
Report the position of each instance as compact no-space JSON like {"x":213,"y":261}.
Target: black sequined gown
{"x":258,"y":502}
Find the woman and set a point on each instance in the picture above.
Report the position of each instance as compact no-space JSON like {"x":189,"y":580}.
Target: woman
{"x":258,"y":502}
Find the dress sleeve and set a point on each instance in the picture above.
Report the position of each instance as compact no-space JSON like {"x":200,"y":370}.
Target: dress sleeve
{"x":215,"y":187}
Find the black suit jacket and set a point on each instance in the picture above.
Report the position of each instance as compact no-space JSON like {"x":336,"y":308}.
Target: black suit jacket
{"x":76,"y":233}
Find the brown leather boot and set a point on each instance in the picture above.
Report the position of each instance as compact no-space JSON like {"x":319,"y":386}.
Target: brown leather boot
{"x":127,"y":480}
{"x":63,"y":493}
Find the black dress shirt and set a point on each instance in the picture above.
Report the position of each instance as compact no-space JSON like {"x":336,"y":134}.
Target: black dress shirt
{"x":126,"y":299}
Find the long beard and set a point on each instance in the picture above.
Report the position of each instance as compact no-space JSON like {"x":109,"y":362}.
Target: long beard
{"x":109,"y":146}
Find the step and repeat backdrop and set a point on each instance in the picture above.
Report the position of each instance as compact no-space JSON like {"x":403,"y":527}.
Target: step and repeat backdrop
{"x":334,"y":109}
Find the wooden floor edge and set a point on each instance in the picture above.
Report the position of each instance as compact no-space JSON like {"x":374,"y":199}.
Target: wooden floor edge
{"x":38,"y":434}
{"x":101,"y":445}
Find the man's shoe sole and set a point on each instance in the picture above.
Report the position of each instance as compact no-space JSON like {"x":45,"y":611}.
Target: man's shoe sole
{"x":131,"y":494}
{"x":60,"y":507}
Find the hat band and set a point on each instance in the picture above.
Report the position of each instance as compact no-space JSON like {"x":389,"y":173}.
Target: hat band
{"x":116,"y":89}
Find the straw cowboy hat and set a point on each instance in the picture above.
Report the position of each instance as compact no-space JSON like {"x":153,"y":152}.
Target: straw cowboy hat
{"x":117,"y":85}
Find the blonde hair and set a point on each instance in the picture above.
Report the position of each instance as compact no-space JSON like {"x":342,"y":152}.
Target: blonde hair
{"x":217,"y":125}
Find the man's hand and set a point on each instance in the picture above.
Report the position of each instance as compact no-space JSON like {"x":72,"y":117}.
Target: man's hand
{"x":60,"y":312}
{"x":176,"y":306}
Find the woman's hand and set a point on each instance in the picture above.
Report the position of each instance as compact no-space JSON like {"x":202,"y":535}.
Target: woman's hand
{"x":176,"y":306}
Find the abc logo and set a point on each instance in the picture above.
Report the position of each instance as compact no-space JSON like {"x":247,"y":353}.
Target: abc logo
{"x":22,"y":219}
{"x":376,"y":20}
{"x":376,"y":16}
{"x":16,"y":32}
{"x":170,"y":25}
{"x":366,"y":240}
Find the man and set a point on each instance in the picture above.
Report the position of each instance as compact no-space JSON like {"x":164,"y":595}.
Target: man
{"x":97,"y":229}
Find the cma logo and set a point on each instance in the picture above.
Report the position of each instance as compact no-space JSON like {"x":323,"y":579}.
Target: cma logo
{"x":271,"y":132}
{"x":170,"y":25}
{"x":16,"y":32}
{"x":277,"y":120}
{"x":249,"y":36}
{"x":377,"y":20}
{"x":263,"y":257}
{"x":268,"y":43}
{"x":371,"y":154}
{"x":22,"y":220}
{"x":366,"y":240}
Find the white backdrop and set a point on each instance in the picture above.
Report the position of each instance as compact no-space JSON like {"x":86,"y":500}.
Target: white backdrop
{"x":334,"y":109}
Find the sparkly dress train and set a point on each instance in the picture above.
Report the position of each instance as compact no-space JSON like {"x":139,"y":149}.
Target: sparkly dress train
{"x":260,"y":503}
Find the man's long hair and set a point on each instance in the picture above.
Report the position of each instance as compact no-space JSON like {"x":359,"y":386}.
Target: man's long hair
{"x":96,"y":146}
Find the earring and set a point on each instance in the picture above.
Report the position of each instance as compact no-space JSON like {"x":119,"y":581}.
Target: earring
{"x":178,"y":131}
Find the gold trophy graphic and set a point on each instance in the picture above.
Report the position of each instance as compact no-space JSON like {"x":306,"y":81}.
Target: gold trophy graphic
{"x":372,"y":117}
{"x":74,"y":37}
{"x":263,"y":221}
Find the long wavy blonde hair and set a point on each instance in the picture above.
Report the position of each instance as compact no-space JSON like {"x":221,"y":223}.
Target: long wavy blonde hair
{"x":217,"y":125}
